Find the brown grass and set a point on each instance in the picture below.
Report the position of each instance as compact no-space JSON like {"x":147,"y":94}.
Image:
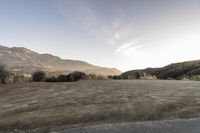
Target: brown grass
{"x":49,"y":105}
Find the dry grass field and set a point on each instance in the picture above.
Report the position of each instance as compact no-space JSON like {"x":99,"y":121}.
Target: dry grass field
{"x":52,"y":105}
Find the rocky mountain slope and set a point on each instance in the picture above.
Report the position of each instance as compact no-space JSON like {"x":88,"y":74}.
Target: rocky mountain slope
{"x":20,"y":59}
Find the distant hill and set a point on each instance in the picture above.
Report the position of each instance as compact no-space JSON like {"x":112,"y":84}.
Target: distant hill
{"x":182,"y":70}
{"x":23,"y":60}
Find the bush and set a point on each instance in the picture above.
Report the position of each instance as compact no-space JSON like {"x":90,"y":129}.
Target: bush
{"x":51,"y":79}
{"x":114,"y":77}
{"x":39,"y":76}
{"x":4,"y":74}
{"x":75,"y":76}
{"x":62,"y":78}
{"x":72,"y":77}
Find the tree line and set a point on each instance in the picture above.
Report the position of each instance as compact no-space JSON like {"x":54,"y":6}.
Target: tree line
{"x":40,"y":76}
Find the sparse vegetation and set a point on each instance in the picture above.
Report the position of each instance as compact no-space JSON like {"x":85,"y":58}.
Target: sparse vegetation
{"x":91,"y":77}
{"x":21,"y":79}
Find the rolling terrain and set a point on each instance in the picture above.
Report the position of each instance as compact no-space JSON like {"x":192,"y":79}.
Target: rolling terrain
{"x":49,"y":106}
{"x":23,"y":60}
{"x":188,"y":70}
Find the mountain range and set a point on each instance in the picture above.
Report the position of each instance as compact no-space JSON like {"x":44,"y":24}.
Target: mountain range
{"x":23,"y":60}
{"x":182,"y":70}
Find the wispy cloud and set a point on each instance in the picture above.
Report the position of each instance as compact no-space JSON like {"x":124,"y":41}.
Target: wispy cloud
{"x":111,"y":29}
{"x":131,"y":49}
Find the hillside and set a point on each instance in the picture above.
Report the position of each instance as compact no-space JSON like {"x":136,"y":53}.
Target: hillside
{"x":23,"y":60}
{"x":182,"y":70}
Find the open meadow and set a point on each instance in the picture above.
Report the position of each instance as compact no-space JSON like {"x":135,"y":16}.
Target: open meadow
{"x":53,"y":105}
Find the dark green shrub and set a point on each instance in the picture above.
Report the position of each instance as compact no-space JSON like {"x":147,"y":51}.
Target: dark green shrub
{"x":72,"y":77}
{"x":114,"y":77}
{"x":75,"y":76}
{"x":4,"y":74}
{"x":51,"y":79}
{"x":39,"y":76}
{"x":62,"y":78}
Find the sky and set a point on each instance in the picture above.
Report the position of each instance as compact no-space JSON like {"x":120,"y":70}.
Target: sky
{"x":124,"y":34}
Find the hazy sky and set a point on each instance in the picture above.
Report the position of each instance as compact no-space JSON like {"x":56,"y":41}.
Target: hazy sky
{"x":126,"y":34}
